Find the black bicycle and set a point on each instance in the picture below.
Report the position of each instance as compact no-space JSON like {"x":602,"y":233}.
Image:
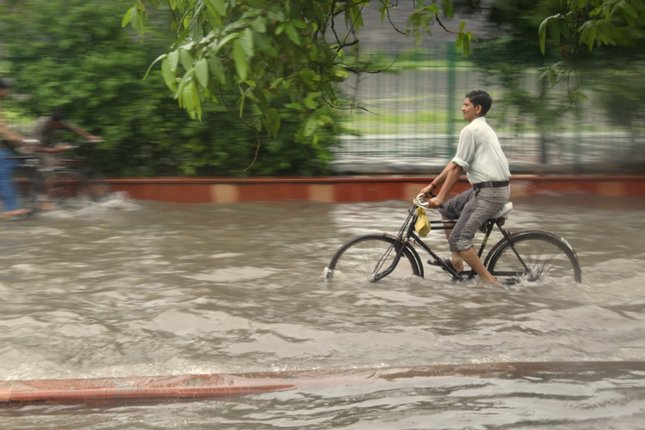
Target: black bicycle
{"x":525,"y":255}
{"x":71,"y":179}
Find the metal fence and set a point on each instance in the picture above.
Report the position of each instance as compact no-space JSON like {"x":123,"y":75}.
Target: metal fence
{"x":408,"y":120}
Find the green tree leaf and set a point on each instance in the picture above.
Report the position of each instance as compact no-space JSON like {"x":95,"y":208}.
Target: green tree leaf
{"x":217,"y":6}
{"x":241,"y":60}
{"x":201,"y":72}
{"x":246,"y":42}
{"x":217,"y":69}
{"x":292,"y":33}
{"x":169,"y":76}
{"x":185,"y":57}
{"x":173,"y":60}
{"x":127,"y":18}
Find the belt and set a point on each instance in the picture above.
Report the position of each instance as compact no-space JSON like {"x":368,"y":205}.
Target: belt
{"x":490,"y":184}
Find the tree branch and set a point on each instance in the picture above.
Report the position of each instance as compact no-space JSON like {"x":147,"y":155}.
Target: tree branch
{"x":387,"y":5}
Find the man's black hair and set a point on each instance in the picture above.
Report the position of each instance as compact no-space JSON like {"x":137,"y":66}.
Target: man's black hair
{"x":480,"y":98}
{"x":4,"y":84}
{"x":58,"y":115}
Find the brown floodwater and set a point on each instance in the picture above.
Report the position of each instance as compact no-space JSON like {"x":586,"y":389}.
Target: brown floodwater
{"x":133,"y":288}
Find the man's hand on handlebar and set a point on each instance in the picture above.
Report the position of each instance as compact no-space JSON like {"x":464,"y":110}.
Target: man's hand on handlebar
{"x":63,"y":147}
{"x":93,"y":139}
{"x":429,"y":200}
{"x":429,"y":196}
{"x":435,"y":202}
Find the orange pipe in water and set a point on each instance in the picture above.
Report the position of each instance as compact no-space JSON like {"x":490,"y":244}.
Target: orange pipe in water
{"x":219,"y":385}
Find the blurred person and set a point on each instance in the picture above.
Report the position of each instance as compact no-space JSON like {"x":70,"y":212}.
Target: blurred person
{"x":48,"y":151}
{"x":9,"y":140}
{"x":480,"y":156}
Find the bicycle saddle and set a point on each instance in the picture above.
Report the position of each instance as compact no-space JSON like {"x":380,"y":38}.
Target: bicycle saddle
{"x":503,"y":212}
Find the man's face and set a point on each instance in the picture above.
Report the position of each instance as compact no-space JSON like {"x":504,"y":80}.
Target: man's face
{"x":470,"y":111}
{"x":3,"y":93}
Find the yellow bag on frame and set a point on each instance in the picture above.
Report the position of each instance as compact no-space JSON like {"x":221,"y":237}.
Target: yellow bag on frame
{"x":422,"y":225}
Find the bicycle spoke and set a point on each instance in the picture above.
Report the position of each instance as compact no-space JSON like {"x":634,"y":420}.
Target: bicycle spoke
{"x":544,"y":255}
{"x":372,"y":258}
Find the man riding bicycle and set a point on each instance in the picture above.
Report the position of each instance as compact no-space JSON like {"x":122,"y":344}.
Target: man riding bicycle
{"x":48,"y":151}
{"x":480,"y":155}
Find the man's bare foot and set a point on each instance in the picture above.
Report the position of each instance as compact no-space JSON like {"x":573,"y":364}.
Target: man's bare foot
{"x":492,"y":281}
{"x":457,"y":263}
{"x":14,"y":213}
{"x":472,"y":259}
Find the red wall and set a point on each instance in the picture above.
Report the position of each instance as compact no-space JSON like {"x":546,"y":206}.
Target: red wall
{"x":356,"y":189}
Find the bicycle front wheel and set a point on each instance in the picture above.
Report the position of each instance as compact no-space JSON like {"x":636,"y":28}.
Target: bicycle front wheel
{"x":96,"y":188}
{"x":535,"y":255}
{"x":72,"y":184}
{"x":373,"y":257}
{"x":66,"y":184}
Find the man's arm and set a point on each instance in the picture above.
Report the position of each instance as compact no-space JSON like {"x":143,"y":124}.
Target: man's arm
{"x":77,"y":130}
{"x":19,"y":141}
{"x":444,"y":177}
{"x":449,"y":177}
{"x":7,"y":134}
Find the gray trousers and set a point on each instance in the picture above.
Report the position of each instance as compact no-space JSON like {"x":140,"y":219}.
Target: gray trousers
{"x":471,"y":209}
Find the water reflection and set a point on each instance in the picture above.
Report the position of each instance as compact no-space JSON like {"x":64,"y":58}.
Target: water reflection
{"x":125,"y":288}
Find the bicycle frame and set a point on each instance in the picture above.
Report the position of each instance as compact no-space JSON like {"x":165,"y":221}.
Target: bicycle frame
{"x":405,"y":232}
{"x":75,"y":173}
{"x":408,"y":235}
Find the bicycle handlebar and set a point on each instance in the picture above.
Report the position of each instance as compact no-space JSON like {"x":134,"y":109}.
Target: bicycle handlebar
{"x":73,"y":146}
{"x":421,"y":200}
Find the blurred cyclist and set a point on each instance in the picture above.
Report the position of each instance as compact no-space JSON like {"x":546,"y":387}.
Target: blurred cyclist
{"x":9,"y":140}
{"x":45,"y":131}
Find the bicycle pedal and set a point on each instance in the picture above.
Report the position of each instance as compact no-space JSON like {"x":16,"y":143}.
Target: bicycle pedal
{"x":458,"y":276}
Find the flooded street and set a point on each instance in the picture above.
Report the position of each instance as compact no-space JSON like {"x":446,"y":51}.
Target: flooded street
{"x":133,"y":288}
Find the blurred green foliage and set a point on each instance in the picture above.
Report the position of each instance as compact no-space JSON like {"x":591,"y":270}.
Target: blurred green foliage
{"x":606,"y":78}
{"x":263,"y":76}
{"x":74,"y":56}
{"x":593,"y":23}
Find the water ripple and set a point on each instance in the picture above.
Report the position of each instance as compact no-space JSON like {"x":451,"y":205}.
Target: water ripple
{"x":124,"y":288}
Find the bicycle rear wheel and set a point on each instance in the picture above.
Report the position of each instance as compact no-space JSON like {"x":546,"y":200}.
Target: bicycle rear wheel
{"x":545,"y":256}
{"x":370,"y":257}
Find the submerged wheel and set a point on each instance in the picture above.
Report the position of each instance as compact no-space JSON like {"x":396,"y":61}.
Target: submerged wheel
{"x":97,"y":187}
{"x":70,"y":184}
{"x":66,"y":184}
{"x":545,"y":255}
{"x":27,"y":186}
{"x":369,"y":257}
